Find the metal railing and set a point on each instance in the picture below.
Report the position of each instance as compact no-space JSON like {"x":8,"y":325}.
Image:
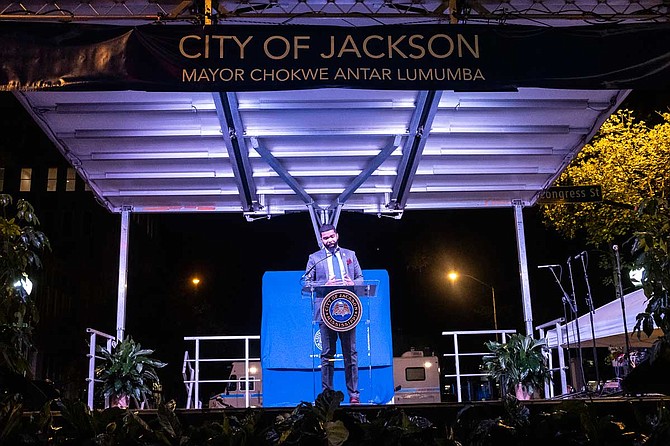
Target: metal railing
{"x":192,"y":367}
{"x":548,"y":387}
{"x":94,"y":336}
{"x":457,"y":355}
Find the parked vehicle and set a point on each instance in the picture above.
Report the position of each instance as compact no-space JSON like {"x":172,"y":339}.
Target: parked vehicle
{"x":416,"y":378}
{"x":236,"y":391}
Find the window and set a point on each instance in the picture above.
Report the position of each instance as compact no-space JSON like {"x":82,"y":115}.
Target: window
{"x":52,"y":179}
{"x":415,"y":374}
{"x":232,"y":386}
{"x":2,"y":179}
{"x":71,"y":180}
{"x":26,"y":176}
{"x":243,"y":386}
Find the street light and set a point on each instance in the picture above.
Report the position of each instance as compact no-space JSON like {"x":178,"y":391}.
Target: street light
{"x":453,"y":276}
{"x":636,"y":276}
{"x":24,"y":284}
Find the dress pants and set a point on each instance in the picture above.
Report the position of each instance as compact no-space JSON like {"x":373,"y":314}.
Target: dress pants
{"x":328,"y":350}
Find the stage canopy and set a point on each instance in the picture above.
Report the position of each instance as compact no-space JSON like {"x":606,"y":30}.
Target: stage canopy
{"x":370,"y":150}
{"x":272,"y":109}
{"x":266,"y":108}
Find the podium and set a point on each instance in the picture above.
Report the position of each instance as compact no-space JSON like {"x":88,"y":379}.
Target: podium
{"x":340,"y":309}
{"x":290,"y":356}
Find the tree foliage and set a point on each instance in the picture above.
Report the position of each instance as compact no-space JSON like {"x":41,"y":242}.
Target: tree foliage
{"x":20,"y":242}
{"x":652,"y":254}
{"x":632,"y":163}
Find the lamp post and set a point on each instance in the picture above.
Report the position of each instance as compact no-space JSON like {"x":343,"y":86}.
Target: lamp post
{"x":453,"y":276}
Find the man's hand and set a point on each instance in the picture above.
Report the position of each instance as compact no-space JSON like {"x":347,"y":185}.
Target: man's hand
{"x":333,"y":281}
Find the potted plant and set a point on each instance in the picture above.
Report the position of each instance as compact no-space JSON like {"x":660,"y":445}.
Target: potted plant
{"x":520,"y":365}
{"x":127,"y":372}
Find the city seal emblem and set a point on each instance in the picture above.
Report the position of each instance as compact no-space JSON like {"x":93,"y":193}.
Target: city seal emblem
{"x":341,"y":310}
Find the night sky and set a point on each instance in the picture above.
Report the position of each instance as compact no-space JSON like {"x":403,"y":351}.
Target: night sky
{"x":230,"y":256}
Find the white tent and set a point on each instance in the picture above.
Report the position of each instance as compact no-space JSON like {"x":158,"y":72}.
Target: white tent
{"x":608,"y":326}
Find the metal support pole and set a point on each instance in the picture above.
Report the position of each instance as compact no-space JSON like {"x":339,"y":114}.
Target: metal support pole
{"x":523,"y":267}
{"x":196,"y":403}
{"x":335,"y":215}
{"x":589,"y":302}
{"x":123,"y":275}
{"x":576,"y":326}
{"x":495,"y":312}
{"x":458,"y":370}
{"x":246,"y":373}
{"x":548,"y":389}
{"x":91,"y":370}
{"x":620,"y":295}
{"x":316,"y":224}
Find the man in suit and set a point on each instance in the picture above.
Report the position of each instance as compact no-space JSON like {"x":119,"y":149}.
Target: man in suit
{"x":333,"y":265}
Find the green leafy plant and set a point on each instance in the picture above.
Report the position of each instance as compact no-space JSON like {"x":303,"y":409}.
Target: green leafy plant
{"x":312,"y":423}
{"x":394,"y":426}
{"x":520,"y":361}
{"x":20,"y":428}
{"x":572,"y":422}
{"x":20,"y":242}
{"x":127,"y":370}
{"x":651,"y":250}
{"x":248,"y":429}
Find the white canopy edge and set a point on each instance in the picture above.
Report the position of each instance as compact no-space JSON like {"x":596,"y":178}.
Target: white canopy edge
{"x":608,"y":326}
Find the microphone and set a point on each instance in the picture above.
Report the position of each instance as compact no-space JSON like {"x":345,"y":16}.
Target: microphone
{"x":549,"y":266}
{"x":308,"y":272}
{"x":581,"y":254}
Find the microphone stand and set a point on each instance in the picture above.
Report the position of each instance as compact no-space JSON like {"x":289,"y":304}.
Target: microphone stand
{"x":589,"y":303}
{"x":576,"y":316}
{"x":303,"y":279}
{"x":566,"y":301}
{"x":619,"y":293}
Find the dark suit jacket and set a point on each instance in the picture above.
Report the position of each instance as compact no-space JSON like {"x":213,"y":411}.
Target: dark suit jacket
{"x":317,"y":266}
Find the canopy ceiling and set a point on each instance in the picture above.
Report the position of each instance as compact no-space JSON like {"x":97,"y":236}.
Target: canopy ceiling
{"x":373,"y":151}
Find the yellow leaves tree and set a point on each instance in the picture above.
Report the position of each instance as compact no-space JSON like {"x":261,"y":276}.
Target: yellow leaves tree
{"x":632,"y":163}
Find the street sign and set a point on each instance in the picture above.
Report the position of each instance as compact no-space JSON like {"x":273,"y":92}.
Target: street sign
{"x":571,"y":194}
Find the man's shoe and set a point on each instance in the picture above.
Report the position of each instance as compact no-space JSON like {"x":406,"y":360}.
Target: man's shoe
{"x":354,"y":400}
